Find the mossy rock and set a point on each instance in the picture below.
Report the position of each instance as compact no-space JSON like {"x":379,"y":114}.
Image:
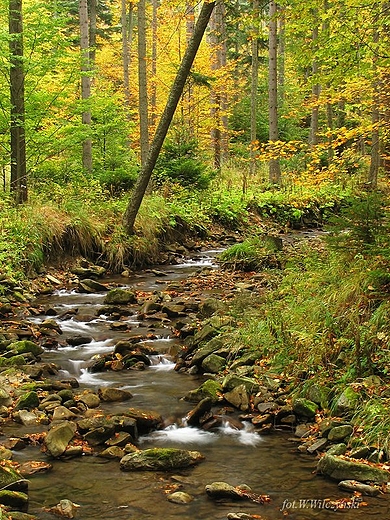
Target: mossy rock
{"x":14,"y":499}
{"x":209,"y":388}
{"x":346,"y":402}
{"x":160,"y":459}
{"x":304,"y":407}
{"x":26,"y":346}
{"x":27,"y":401}
{"x":11,"y":479}
{"x":233,"y":380}
{"x":120,"y":297}
{"x":348,"y":469}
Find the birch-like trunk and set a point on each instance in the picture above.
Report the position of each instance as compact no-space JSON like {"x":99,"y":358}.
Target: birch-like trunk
{"x":274,"y":164}
{"x":85,"y":81}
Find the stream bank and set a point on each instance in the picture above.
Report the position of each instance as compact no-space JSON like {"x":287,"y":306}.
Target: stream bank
{"x":130,"y":339}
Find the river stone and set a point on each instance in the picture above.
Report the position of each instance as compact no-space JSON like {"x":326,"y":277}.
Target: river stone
{"x":25,"y":417}
{"x":114,"y":394}
{"x":78,"y":340}
{"x":112,"y":452}
{"x":90,"y":399}
{"x":238,"y":397}
{"x":14,"y":499}
{"x":212,"y":346}
{"x":59,"y":437}
{"x":32,"y":467}
{"x":304,"y":408}
{"x":65,"y":508}
{"x":364,"y":489}
{"x":27,"y":401}
{"x":213,"y":364}
{"x":204,"y":406}
{"x":19,"y":515}
{"x":159,"y":459}
{"x":99,"y":435}
{"x":142,"y":421}
{"x":222,"y":490}
{"x":209,"y":388}
{"x":120,"y":297}
{"x":232,"y":380}
{"x":206,"y":333}
{"x":338,"y":433}
{"x":120,"y":439}
{"x":179,"y":497}
{"x":24,"y":347}
{"x":240,"y":516}
{"x":318,"y":445}
{"x":337,"y":449}
{"x":5,"y":397}
{"x":318,"y":394}
{"x":346,"y":402}
{"x":346,"y":469}
{"x":91,"y":286}
{"x":61,"y":413}
{"x":246,"y":359}
{"x":5,"y":453}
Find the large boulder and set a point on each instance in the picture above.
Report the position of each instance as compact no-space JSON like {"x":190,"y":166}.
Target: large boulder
{"x":160,"y":459}
{"x":347,"y":469}
{"x":110,"y":394}
{"x":304,"y":407}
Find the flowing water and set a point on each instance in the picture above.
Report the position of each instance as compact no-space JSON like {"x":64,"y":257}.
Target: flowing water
{"x":269,"y":464}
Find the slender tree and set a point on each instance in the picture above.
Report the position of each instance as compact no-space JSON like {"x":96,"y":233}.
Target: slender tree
{"x":254,"y":87}
{"x":142,"y":82}
{"x":85,"y":81}
{"x":166,"y":118}
{"x":274,"y":165}
{"x":18,"y":184}
{"x":127,"y":38}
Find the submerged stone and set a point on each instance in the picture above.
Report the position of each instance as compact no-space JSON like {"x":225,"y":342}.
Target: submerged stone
{"x":159,"y":459}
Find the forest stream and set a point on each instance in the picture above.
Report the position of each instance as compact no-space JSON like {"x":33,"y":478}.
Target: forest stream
{"x":269,"y":463}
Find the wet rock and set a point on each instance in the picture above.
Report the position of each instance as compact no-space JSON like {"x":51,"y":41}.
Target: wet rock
{"x":112,"y":452}
{"x":65,"y":508}
{"x":31,"y":468}
{"x":90,"y":399}
{"x":5,"y":397}
{"x":202,"y":353}
{"x":14,"y":499}
{"x":223,"y":490}
{"x":59,"y":437}
{"x":145,"y":420}
{"x":119,"y":439}
{"x":179,"y":497}
{"x":304,"y":408}
{"x":173,"y":310}
{"x":25,"y":417}
{"x":120,"y":297}
{"x":209,"y":388}
{"x":12,"y":479}
{"x":362,"y":452}
{"x":318,"y":445}
{"x":61,"y":413}
{"x":347,"y":469}
{"x":99,"y":435}
{"x":159,"y":459}
{"x":206,"y":333}
{"x":261,"y":420}
{"x":238,"y":397}
{"x":194,"y":416}
{"x":339,"y":433}
{"x":364,"y":489}
{"x":232,"y":380}
{"x":246,"y":359}
{"x":114,"y":394}
{"x":27,"y":401}
{"x":14,"y":443}
{"x":241,"y":516}
{"x":18,"y":515}
{"x":318,"y":394}
{"x":213,"y":364}
{"x":91,"y":286}
{"x":25,"y":347}
{"x":76,"y":341}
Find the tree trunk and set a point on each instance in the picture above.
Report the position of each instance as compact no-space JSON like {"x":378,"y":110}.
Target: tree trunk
{"x":187,"y":113}
{"x":375,"y":119}
{"x":153,"y":95}
{"x":254,"y":88}
{"x":92,"y":4}
{"x":85,"y":81}
{"x":18,"y":186}
{"x":142,"y":82}
{"x":127,"y":36}
{"x":166,"y":118}
{"x":274,"y":165}
{"x":313,"y":137}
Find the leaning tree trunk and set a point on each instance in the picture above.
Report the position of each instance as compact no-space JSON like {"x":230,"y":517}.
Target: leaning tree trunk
{"x":166,"y":118}
{"x":18,"y":186}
